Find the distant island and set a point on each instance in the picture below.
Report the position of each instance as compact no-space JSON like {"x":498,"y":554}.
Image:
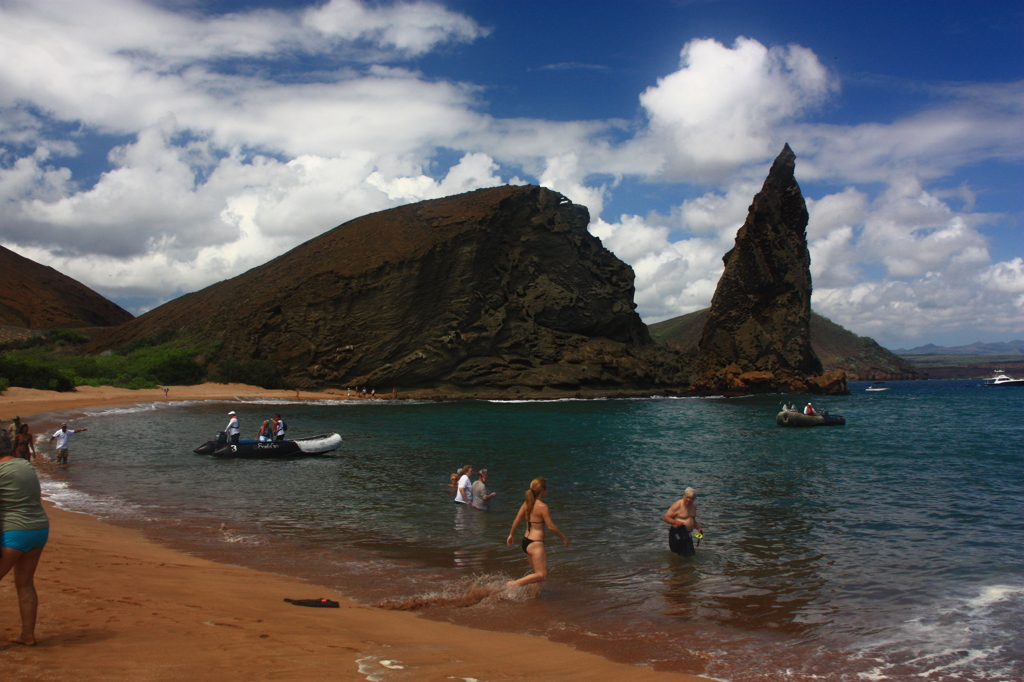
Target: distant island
{"x":977,"y":348}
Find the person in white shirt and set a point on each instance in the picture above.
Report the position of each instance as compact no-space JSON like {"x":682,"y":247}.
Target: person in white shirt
{"x":810,"y":410}
{"x":463,"y":491}
{"x":232,"y":429}
{"x":61,"y":436}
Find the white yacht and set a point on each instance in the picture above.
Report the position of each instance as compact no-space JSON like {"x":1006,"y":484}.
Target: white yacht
{"x":1000,"y":379}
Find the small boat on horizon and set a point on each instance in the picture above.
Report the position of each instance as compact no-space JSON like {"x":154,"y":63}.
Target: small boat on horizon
{"x":269,"y":449}
{"x":877,"y":386}
{"x":1001,"y":379}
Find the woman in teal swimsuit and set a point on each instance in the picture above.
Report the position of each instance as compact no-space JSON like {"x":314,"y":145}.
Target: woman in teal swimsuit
{"x":24,"y":530}
{"x":537,"y":516}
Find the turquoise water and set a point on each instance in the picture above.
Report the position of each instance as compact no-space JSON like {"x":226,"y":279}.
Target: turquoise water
{"x":889,"y":548}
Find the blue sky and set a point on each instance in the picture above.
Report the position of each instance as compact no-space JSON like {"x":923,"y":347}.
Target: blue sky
{"x":151,"y":149}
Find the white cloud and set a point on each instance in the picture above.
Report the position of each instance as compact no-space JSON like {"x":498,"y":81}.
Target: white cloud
{"x":564,"y":174}
{"x":899,"y":313}
{"x":473,"y":171}
{"x":938,"y":273}
{"x":29,"y":176}
{"x":721,"y":109}
{"x":672,"y":278}
{"x":912,"y":232}
{"x":410,"y":27}
{"x":980,"y":122}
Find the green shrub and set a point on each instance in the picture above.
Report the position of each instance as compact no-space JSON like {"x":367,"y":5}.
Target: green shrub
{"x":4,"y":384}
{"x":33,"y":369}
{"x":67,"y":336}
{"x":261,"y":373}
{"x":170,"y":366}
{"x":162,"y":337}
{"x":147,"y":366}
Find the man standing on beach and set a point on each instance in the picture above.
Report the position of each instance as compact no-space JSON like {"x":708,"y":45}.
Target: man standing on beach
{"x":682,"y":516}
{"x":479,"y":492}
{"x":464,"y":489}
{"x":232,"y":429}
{"x":62,"y":436}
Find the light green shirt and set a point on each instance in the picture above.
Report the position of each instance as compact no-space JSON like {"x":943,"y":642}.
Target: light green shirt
{"x":20,"y":508}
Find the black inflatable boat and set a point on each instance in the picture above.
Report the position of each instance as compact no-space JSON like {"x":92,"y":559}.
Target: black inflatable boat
{"x":273,"y":449}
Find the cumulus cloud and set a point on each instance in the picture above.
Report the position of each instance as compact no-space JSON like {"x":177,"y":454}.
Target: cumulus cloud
{"x":902,"y":311}
{"x":722,"y":107}
{"x":937,"y":268}
{"x":975,"y":123}
{"x":672,"y":277}
{"x":164,"y":40}
{"x":473,"y":171}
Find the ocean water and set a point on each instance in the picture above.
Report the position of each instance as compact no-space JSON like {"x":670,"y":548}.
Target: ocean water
{"x":891,"y":548}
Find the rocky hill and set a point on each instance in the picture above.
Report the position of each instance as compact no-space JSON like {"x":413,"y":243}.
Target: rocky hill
{"x":34,"y":296}
{"x":860,"y":357}
{"x":498,"y":289}
{"x":756,"y":335}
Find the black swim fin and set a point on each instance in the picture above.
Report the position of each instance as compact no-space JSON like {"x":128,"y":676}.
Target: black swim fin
{"x":321,"y":603}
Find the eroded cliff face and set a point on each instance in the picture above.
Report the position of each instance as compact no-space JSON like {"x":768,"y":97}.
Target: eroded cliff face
{"x":757,"y":334}
{"x":497,"y":289}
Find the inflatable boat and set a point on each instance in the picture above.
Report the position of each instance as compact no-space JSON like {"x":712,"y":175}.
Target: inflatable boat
{"x":273,"y":449}
{"x":790,"y":417}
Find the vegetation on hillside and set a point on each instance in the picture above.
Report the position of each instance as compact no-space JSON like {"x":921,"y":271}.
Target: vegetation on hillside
{"x":681,"y":332}
{"x":49,"y":361}
{"x":859,"y":356}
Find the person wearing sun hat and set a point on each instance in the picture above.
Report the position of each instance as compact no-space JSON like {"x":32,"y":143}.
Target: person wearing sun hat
{"x":232,"y":429}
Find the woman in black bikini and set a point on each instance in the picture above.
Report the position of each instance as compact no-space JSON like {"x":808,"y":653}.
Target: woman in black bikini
{"x":537,"y":515}
{"x":24,"y":446}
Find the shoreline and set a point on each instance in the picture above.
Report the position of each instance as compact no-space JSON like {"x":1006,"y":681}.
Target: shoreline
{"x":115,"y":604}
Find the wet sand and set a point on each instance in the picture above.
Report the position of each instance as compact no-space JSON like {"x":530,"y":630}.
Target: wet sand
{"x":114,"y":605}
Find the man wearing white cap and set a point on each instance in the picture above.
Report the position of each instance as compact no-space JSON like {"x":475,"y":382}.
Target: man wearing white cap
{"x":62,"y":436}
{"x":232,"y":429}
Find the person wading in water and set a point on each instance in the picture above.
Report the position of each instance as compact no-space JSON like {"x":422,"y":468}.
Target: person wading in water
{"x":535,"y":511}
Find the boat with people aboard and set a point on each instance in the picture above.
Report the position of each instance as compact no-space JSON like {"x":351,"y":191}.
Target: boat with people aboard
{"x":271,"y":449}
{"x":790,"y":416}
{"x":1001,"y":379}
{"x":877,"y":387}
